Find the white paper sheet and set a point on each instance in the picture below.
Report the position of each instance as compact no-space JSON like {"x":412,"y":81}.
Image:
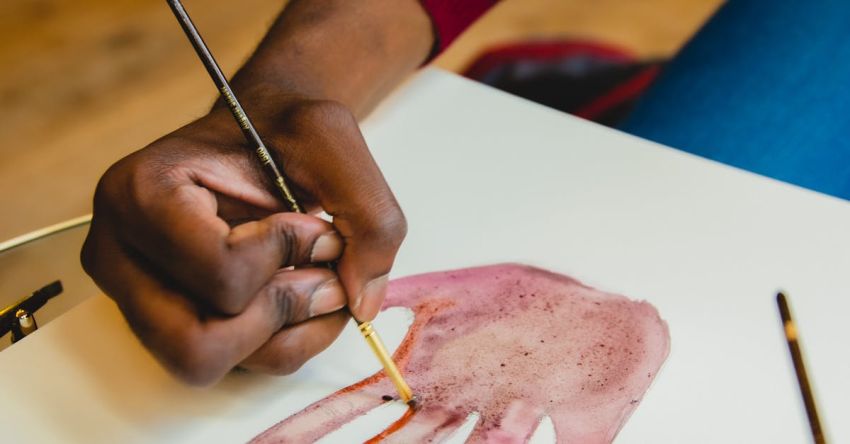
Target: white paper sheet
{"x":485,"y":177}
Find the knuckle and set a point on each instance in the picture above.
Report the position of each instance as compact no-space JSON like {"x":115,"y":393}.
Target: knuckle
{"x":283,"y":300}
{"x":136,"y":177}
{"x":389,"y":228}
{"x":290,"y":244}
{"x":111,"y":182}
{"x":285,"y":365}
{"x":293,"y":243}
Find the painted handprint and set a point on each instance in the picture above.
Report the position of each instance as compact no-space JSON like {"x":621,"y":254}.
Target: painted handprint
{"x":513,"y":344}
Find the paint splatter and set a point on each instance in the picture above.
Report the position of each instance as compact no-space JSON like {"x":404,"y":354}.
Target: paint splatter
{"x":512,"y":343}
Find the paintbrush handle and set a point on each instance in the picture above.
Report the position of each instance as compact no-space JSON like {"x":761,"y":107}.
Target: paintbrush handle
{"x":233,"y":104}
{"x":800,"y":368}
{"x":271,"y":168}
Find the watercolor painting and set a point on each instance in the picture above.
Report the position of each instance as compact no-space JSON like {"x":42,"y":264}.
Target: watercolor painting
{"x":511,"y":344}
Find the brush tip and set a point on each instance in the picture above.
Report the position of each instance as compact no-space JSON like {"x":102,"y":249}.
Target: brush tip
{"x":413,"y":403}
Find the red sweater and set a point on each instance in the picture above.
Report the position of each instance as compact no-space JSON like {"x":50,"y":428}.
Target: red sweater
{"x":451,"y":17}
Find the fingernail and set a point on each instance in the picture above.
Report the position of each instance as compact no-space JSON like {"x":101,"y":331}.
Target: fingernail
{"x":371,"y":298}
{"x":327,"y":247}
{"x":327,"y":298}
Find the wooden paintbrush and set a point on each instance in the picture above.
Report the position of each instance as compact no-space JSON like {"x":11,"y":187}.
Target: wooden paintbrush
{"x":276,"y":175}
{"x":800,"y":368}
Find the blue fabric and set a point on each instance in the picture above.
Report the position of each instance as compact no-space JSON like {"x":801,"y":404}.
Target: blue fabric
{"x":764,"y":86}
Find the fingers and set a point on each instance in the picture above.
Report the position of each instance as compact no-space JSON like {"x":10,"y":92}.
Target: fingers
{"x":341,"y":174}
{"x":291,"y":347}
{"x":298,"y":295}
{"x":229,"y":269}
{"x":200,"y":349}
{"x":373,"y":227}
{"x":181,"y":234}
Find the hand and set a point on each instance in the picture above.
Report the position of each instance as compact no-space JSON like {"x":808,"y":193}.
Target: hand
{"x":192,"y":245}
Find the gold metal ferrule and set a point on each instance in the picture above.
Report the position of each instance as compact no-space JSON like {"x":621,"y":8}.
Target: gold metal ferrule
{"x":389,"y":366}
{"x":287,"y":195}
{"x":790,"y":331}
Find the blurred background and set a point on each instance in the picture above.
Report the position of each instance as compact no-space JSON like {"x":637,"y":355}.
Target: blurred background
{"x":85,"y":82}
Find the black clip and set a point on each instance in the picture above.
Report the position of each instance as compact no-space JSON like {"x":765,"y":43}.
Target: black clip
{"x":18,"y":317}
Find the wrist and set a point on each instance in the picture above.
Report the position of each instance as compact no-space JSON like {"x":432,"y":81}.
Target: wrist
{"x":352,"y":52}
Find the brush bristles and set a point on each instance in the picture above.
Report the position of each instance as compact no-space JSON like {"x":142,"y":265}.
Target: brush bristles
{"x":414,"y":403}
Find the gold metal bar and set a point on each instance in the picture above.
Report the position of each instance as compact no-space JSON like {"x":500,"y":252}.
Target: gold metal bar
{"x":389,"y":366}
{"x":44,"y":232}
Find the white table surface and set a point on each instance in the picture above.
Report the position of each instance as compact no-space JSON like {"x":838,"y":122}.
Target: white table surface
{"x":485,"y":177}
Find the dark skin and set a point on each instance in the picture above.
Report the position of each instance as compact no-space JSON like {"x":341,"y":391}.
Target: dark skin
{"x":191,"y":242}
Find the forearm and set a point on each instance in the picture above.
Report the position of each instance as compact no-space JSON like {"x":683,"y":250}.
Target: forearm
{"x":350,"y":51}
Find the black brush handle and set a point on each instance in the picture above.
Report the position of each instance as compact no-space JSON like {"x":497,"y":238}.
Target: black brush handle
{"x":233,"y":104}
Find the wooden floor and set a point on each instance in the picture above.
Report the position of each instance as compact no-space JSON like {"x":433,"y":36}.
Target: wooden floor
{"x":84,"y":82}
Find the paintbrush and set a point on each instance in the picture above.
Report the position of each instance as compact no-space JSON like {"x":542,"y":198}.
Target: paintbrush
{"x":276,"y":175}
{"x":800,"y":368}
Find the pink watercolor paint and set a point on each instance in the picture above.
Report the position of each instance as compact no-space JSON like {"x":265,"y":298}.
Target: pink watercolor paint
{"x":512,"y":343}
